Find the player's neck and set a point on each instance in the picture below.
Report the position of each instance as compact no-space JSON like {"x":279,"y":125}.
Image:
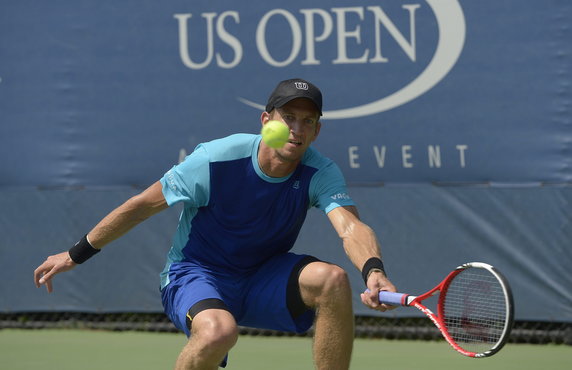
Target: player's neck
{"x":273,"y":164}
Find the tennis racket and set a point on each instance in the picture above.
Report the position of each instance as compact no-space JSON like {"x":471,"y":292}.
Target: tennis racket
{"x":474,"y":308}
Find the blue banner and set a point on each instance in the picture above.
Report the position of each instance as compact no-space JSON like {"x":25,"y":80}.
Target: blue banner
{"x":436,"y":91}
{"x":100,"y":98}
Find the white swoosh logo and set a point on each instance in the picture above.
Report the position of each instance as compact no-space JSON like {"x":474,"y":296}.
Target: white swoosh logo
{"x":451,"y":24}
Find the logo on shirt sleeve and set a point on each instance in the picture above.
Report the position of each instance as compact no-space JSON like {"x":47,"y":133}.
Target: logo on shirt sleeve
{"x":340,"y":196}
{"x":171,"y":181}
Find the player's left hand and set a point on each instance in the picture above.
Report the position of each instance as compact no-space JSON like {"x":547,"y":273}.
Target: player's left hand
{"x":377,"y":282}
{"x":52,"y":265}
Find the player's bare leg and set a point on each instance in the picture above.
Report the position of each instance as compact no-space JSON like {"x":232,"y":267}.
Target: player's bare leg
{"x":326,"y":288}
{"x":214,"y":332}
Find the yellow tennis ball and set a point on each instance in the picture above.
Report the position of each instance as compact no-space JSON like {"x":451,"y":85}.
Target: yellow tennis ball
{"x":275,"y":134}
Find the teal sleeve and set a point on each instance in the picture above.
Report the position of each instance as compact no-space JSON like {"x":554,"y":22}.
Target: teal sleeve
{"x":189,"y":181}
{"x":328,"y":189}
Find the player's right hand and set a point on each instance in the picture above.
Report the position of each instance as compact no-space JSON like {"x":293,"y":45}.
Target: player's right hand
{"x":52,"y":265}
{"x":377,"y":282}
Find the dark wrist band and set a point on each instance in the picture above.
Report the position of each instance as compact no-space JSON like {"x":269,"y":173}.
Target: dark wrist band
{"x":371,"y":264}
{"x":82,"y":251}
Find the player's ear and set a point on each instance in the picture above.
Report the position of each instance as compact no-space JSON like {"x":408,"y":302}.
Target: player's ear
{"x":317,"y":132}
{"x":264,"y":117}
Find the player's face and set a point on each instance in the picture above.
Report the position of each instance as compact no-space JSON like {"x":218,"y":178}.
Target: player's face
{"x":302,"y":118}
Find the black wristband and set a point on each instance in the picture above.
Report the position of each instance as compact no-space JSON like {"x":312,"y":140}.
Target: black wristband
{"x":370,"y":264}
{"x":82,"y":251}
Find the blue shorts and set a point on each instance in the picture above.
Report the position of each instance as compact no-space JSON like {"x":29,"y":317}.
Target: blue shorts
{"x":260,"y":300}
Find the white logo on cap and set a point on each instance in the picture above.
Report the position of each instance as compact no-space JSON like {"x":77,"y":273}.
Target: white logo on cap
{"x":301,"y":85}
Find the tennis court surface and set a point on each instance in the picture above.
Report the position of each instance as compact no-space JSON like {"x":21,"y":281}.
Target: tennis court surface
{"x":94,"y":350}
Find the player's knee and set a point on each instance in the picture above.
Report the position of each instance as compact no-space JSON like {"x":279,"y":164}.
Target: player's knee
{"x":334,"y":279}
{"x":216,"y":332}
{"x":323,"y":283}
{"x":221,"y":336}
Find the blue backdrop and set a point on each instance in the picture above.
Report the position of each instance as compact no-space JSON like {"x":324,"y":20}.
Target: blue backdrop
{"x":451,"y":121}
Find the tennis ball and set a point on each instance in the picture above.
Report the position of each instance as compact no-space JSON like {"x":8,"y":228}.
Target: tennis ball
{"x":275,"y":134}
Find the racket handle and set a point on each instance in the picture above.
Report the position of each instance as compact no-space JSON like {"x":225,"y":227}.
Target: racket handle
{"x":395,"y":299}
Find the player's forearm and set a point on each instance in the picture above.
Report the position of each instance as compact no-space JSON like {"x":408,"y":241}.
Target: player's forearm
{"x":359,"y":240}
{"x":361,"y":244}
{"x":127,"y":216}
{"x":114,"y":225}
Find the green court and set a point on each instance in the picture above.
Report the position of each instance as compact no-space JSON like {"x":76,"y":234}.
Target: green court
{"x":91,"y":350}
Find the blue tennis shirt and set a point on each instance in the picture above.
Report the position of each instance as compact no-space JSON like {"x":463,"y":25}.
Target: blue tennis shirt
{"x":235,"y":217}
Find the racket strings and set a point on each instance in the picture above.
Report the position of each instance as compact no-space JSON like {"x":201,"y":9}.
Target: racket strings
{"x":474,"y":310}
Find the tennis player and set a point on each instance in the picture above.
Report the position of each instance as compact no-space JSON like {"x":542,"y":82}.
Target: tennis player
{"x":229,"y":264}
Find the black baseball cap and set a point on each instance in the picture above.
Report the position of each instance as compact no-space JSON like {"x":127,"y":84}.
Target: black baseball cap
{"x":291,"y":89}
